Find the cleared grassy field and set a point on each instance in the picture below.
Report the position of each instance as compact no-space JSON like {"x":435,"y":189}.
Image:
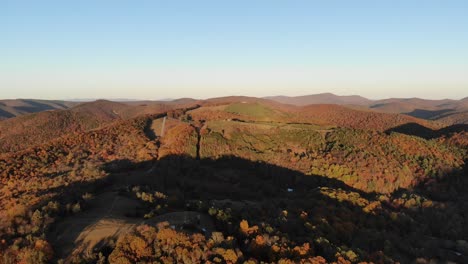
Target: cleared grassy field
{"x":254,"y":110}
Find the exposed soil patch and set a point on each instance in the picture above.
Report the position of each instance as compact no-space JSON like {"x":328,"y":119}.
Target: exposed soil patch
{"x":98,"y":225}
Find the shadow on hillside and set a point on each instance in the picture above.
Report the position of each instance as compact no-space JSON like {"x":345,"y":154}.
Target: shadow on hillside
{"x":428,"y":114}
{"x":34,"y":106}
{"x":414,"y":129}
{"x":5,"y":114}
{"x":261,"y":192}
{"x":148,"y":129}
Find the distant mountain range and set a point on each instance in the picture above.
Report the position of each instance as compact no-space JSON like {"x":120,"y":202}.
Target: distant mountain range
{"x":323,"y":98}
{"x":445,"y":111}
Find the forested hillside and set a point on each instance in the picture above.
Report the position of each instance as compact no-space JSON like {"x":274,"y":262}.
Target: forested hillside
{"x":235,"y":182}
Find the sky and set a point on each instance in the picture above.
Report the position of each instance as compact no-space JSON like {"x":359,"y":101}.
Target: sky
{"x":202,"y":49}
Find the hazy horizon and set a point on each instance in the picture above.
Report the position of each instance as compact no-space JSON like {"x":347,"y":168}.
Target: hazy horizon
{"x":119,"y":99}
{"x":204,"y":49}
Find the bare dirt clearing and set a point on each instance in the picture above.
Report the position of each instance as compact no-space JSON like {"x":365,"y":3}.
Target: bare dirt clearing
{"x":96,"y":226}
{"x":108,"y":218}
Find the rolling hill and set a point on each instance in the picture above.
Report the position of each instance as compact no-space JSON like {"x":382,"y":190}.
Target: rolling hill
{"x":31,"y":129}
{"x":18,"y":107}
{"x":324,"y":98}
{"x":446,"y":111}
{"x":318,"y":114}
{"x":28,"y":130}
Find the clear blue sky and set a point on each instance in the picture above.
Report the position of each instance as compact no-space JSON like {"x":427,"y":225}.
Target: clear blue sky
{"x":169,"y":49}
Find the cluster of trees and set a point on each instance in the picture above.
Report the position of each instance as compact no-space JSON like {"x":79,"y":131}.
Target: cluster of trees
{"x":59,"y":171}
{"x":179,"y":140}
{"x":23,"y":238}
{"x":459,"y":139}
{"x":366,"y":120}
{"x":156,"y":202}
{"x":166,"y":245}
{"x":335,"y":220}
{"x":35,"y":129}
{"x":367,"y":160}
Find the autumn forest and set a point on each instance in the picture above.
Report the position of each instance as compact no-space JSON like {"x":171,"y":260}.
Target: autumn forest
{"x":231,"y":180}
